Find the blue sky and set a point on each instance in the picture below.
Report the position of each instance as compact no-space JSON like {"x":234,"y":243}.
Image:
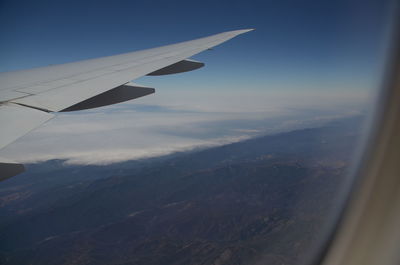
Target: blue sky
{"x":306,"y":61}
{"x":295,"y":41}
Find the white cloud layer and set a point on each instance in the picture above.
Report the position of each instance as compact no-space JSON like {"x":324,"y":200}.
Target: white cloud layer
{"x":176,"y":121}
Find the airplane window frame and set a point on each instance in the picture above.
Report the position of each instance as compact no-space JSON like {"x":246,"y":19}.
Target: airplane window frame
{"x":366,"y":231}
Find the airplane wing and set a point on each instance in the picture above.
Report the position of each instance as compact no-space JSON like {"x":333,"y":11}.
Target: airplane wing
{"x":29,"y":98}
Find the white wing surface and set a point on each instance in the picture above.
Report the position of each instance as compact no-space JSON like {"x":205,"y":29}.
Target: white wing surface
{"x":28,"y":97}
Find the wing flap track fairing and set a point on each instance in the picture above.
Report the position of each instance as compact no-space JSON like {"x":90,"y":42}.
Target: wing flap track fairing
{"x":116,"y":95}
{"x":179,"y":67}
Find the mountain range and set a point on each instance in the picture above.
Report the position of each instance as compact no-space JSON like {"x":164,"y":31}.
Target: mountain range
{"x":265,"y":200}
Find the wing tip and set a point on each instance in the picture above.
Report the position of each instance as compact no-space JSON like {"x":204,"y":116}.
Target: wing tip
{"x":241,"y":31}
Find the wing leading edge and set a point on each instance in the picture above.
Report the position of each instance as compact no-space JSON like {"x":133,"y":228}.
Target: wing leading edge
{"x":28,"y":97}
